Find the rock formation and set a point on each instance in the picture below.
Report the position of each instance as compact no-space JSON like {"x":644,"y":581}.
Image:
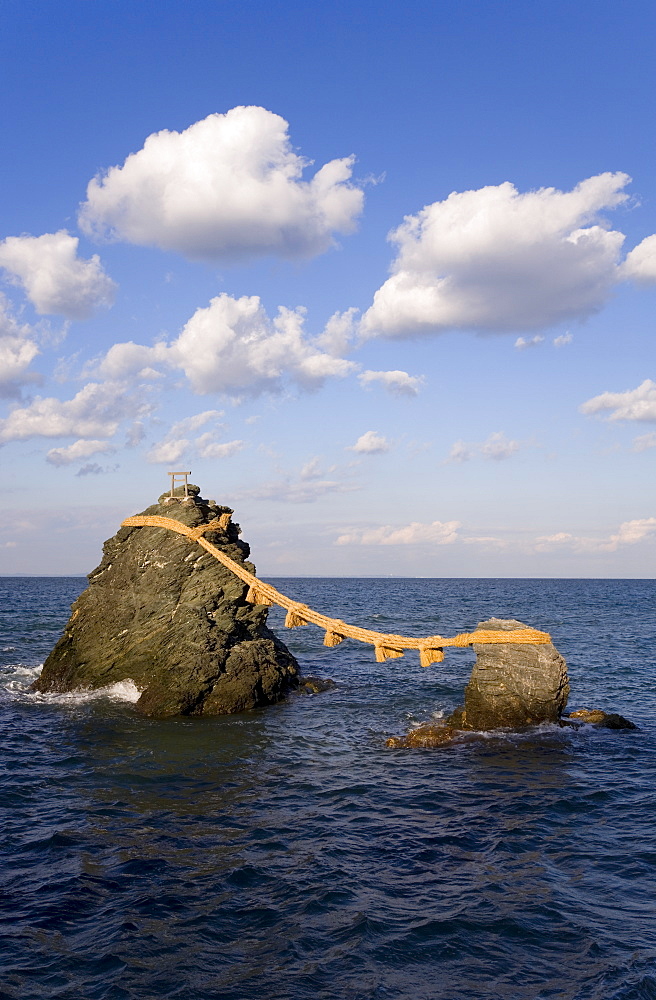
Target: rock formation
{"x":513,"y":685}
{"x":163,"y":613}
{"x":595,"y":717}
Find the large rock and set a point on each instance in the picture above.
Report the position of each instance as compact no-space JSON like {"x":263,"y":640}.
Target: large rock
{"x":513,"y":685}
{"x":165,"y":614}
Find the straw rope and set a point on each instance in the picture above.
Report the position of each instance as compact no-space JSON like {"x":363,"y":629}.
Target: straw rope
{"x":386,"y":646}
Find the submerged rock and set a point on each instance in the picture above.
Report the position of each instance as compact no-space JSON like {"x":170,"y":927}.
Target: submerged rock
{"x":165,"y":614}
{"x":428,"y":735}
{"x":604,"y":720}
{"x":315,"y":685}
{"x":513,"y":685}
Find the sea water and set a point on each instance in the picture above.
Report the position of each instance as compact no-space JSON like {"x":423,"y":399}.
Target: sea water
{"x":287,"y":853}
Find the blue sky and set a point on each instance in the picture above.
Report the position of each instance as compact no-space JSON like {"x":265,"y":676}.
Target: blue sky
{"x":382,"y":276}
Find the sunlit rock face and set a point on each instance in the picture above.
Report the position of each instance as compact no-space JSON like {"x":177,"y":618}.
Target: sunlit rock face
{"x":162,"y":612}
{"x":513,"y":685}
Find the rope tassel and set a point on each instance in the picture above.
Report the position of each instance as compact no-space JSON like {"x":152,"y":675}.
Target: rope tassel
{"x":255,"y":596}
{"x":428,"y":655}
{"x":332,"y":638}
{"x":386,"y":653}
{"x":295,"y":616}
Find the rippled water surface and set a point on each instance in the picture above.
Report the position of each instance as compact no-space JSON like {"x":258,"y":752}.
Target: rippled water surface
{"x":288,"y":854}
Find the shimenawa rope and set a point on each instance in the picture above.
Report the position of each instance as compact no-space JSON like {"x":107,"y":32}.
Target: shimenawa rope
{"x":386,"y":646}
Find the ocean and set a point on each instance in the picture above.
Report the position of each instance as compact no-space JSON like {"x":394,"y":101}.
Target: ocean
{"x":288,"y":854}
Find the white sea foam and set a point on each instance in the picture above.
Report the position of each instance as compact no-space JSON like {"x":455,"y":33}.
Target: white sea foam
{"x":19,"y":678}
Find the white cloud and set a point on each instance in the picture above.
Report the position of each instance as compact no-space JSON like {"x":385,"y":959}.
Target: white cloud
{"x":634,"y":404}
{"x":79,"y":449}
{"x":287,"y":490}
{"x":168,"y":451}
{"x":499,"y":260}
{"x":628,"y":533}
{"x":209,"y":448}
{"x":640,"y":264}
{"x":523,"y":342}
{"x":228,"y":187}
{"x":497,"y":447}
{"x":178,"y":441}
{"x":54,"y":278}
{"x":370,"y":443}
{"x":233,"y":347}
{"x":17,"y":351}
{"x":644,"y":441}
{"x":397,"y":382}
{"x":563,"y":339}
{"x":339,"y":333}
{"x":95,"y":412}
{"x":311,"y":470}
{"x":460,"y":452}
{"x":415,"y":533}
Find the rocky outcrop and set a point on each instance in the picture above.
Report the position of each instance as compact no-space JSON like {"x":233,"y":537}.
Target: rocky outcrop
{"x":596,"y":717}
{"x":428,"y":735}
{"x":513,"y":685}
{"x":163,"y":613}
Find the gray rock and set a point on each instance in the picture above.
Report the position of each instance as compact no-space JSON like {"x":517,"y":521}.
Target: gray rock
{"x":513,"y":685}
{"x":163,"y":613}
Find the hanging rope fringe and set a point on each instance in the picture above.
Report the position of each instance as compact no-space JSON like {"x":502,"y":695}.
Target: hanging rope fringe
{"x":295,"y":616}
{"x":387,"y":647}
{"x":332,"y":638}
{"x":256,"y":596}
{"x":428,"y":655}
{"x":386,"y":653}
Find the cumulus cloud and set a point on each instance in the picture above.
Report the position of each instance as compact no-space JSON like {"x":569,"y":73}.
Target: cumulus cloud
{"x":232,"y":346}
{"x":415,"y":533}
{"x":523,"y":342}
{"x":370,"y":443}
{"x":94,"y":412}
{"x":628,"y":533}
{"x":78,"y":450}
{"x":640,"y":264}
{"x":498,"y":260}
{"x":179,"y":442}
{"x":54,"y":278}
{"x":496,"y":447}
{"x":311,"y":470}
{"x":397,"y":382}
{"x":17,"y":351}
{"x":209,"y":448}
{"x":563,"y":339}
{"x":634,"y":404}
{"x":228,"y":187}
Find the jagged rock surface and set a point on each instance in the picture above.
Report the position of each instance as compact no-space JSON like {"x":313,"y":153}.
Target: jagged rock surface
{"x":162,"y":612}
{"x":513,"y":685}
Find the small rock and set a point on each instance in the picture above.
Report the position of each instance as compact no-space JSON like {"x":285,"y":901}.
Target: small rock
{"x":428,"y":735}
{"x":604,"y":720}
{"x":315,"y":685}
